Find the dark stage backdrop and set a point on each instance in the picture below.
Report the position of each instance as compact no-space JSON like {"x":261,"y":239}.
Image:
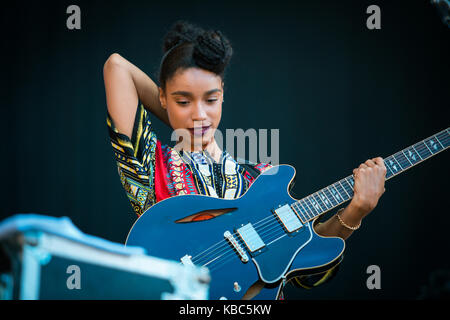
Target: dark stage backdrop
{"x":338,"y":92}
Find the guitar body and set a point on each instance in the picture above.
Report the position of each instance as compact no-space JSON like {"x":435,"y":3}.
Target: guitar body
{"x":284,"y":254}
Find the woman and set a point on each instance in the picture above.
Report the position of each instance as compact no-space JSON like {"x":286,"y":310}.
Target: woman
{"x":189,"y":100}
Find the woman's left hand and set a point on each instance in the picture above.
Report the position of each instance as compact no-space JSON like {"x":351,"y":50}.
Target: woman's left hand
{"x":369,"y":186}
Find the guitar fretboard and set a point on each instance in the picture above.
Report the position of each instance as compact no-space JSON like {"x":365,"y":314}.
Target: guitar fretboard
{"x":340,"y":192}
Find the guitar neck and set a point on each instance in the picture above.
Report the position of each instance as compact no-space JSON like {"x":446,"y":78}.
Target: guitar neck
{"x":340,"y":192}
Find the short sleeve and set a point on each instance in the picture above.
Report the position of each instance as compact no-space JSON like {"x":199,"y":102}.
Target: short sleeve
{"x":135,"y":159}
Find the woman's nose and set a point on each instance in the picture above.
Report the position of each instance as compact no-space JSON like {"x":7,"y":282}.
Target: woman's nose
{"x":198,"y":113}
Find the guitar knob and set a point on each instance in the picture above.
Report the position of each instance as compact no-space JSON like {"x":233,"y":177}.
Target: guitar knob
{"x":237,"y":287}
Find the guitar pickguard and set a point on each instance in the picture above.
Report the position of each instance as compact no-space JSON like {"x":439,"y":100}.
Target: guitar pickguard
{"x":283,"y":251}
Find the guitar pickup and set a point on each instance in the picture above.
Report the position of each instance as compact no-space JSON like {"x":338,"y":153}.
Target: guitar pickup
{"x":251,"y":238}
{"x":288,"y":218}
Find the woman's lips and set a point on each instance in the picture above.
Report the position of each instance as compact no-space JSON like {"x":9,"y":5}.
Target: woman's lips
{"x":200,"y":131}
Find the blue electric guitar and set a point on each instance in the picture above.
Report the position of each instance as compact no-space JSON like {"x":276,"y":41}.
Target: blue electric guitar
{"x":258,"y":242}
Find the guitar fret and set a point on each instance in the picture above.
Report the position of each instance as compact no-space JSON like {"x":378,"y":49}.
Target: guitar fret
{"x":413,"y":156}
{"x":390,"y":170}
{"x":392,"y":165}
{"x":294,"y":206}
{"x":308,"y":203}
{"x":309,"y":212}
{"x":404,"y":162}
{"x":340,"y":192}
{"x":336,"y":194}
{"x":407,"y":157}
{"x":427,"y":147}
{"x":344,"y":189}
{"x":319,"y":201}
{"x":397,"y":162}
{"x":443,"y":138}
{"x":332,"y":199}
{"x":417,"y":153}
{"x":433,"y":145}
{"x":425,"y":150}
{"x":315,"y":205}
{"x":345,"y":184}
{"x":325,"y":200}
{"x":351,"y":182}
{"x":439,"y":141}
{"x":304,"y":212}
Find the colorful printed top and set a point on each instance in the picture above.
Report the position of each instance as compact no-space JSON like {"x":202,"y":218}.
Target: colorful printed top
{"x":151,"y":172}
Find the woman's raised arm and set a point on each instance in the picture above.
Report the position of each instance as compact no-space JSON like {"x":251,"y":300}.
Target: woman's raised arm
{"x":125,"y":85}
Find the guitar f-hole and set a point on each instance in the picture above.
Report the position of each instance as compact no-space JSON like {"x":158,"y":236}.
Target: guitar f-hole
{"x":205,"y":215}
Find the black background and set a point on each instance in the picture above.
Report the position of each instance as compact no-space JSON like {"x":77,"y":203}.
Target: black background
{"x":338,"y":92}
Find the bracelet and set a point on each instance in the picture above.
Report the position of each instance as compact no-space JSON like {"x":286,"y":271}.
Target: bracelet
{"x":344,"y":224}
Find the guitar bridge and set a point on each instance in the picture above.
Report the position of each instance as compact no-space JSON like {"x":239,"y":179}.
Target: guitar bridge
{"x":237,"y":247}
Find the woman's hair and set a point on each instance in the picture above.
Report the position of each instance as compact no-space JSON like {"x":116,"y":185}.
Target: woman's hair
{"x":186,"y":46}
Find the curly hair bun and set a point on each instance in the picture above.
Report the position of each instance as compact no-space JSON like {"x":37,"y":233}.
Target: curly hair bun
{"x":212,"y":50}
{"x":180,"y":32}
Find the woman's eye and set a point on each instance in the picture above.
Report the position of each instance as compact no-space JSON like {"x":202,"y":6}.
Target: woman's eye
{"x":183,"y":103}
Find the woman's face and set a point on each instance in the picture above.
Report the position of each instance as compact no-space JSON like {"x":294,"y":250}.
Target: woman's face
{"x":193,"y":100}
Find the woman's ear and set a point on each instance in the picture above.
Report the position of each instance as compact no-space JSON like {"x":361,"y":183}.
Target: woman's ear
{"x":223,"y":91}
{"x":162,"y":98}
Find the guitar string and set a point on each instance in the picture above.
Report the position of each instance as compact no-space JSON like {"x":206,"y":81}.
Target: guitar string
{"x":258,"y":229}
{"x":420,"y":147}
{"x":307,"y":217}
{"x":224,"y":241}
{"x":226,"y":257}
{"x":269,"y":227}
{"x":262,"y":232}
{"x":324,"y":190}
{"x":273,"y":223}
{"x":256,"y":225}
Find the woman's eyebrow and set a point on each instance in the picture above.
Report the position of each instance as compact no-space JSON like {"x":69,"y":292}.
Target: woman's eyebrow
{"x":189,"y":94}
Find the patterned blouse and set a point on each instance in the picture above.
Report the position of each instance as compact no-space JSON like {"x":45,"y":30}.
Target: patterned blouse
{"x":151,"y":172}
